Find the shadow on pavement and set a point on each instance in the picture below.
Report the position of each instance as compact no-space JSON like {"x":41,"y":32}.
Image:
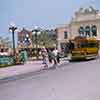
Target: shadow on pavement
{"x":31,"y":74}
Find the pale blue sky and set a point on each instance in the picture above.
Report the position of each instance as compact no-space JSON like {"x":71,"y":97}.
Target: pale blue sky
{"x":45,"y":13}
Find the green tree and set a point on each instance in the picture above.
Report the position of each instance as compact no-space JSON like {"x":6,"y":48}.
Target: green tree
{"x":44,"y":39}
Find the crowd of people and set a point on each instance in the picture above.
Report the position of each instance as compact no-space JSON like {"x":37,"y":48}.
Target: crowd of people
{"x":50,"y":55}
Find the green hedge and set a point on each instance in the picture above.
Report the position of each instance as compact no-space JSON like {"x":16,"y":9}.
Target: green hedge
{"x":6,"y":60}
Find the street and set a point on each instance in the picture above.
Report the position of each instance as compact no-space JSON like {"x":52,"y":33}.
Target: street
{"x":71,"y":81}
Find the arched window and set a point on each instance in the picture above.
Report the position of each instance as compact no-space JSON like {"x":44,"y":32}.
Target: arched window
{"x":81,"y":30}
{"x":87,"y":31}
{"x":65,"y":35}
{"x":94,"y":30}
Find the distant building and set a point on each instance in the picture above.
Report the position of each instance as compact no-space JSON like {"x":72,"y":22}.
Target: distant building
{"x":25,"y":39}
{"x":52,"y":35}
{"x":63,"y":35}
{"x":5,"y":46}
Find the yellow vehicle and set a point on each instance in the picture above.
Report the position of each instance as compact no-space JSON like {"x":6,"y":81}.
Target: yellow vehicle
{"x":84,"y":48}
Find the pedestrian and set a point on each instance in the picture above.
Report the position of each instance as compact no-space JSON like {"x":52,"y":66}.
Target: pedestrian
{"x":50,"y":58}
{"x":71,"y":46}
{"x":44,"y":57}
{"x":55,"y":53}
{"x":58,"y":57}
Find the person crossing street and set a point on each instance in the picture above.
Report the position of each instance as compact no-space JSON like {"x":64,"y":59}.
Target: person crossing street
{"x":44,"y":57}
{"x":56,"y":57}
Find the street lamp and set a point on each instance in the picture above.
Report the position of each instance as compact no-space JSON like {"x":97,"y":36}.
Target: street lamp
{"x":36,"y":32}
{"x":27,"y":40}
{"x":27,"y":43}
{"x":13,"y":28}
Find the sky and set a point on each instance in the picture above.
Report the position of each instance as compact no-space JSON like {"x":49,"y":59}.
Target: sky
{"x":43,"y":13}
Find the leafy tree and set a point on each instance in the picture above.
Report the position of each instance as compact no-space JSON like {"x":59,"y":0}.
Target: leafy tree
{"x":44,"y":39}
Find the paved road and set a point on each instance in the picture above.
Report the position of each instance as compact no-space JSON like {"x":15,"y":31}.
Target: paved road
{"x":73,"y":81}
{"x":27,"y":68}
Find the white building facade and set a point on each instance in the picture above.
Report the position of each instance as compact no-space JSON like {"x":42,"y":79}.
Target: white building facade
{"x":86,"y":22}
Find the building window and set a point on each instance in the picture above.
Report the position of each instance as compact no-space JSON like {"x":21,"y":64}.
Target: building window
{"x":81,"y":31}
{"x":87,"y":31}
{"x":94,"y":30}
{"x":65,"y":35}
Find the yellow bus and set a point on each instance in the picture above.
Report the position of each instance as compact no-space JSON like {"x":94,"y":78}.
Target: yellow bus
{"x":84,"y":48}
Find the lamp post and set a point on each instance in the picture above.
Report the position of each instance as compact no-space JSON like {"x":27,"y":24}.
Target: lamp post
{"x":13,"y":28}
{"x":36,"y":32}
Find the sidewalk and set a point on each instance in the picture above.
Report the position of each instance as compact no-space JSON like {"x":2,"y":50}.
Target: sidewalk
{"x":30,"y":66}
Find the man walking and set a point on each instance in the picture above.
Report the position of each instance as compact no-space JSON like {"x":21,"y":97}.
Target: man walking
{"x":44,"y":56}
{"x":56,"y":56}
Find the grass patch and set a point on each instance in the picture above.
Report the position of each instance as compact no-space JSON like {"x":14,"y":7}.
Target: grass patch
{"x":5,"y":65}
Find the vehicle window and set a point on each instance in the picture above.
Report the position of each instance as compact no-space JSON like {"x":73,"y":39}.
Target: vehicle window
{"x":83,"y":45}
{"x":92,"y":44}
